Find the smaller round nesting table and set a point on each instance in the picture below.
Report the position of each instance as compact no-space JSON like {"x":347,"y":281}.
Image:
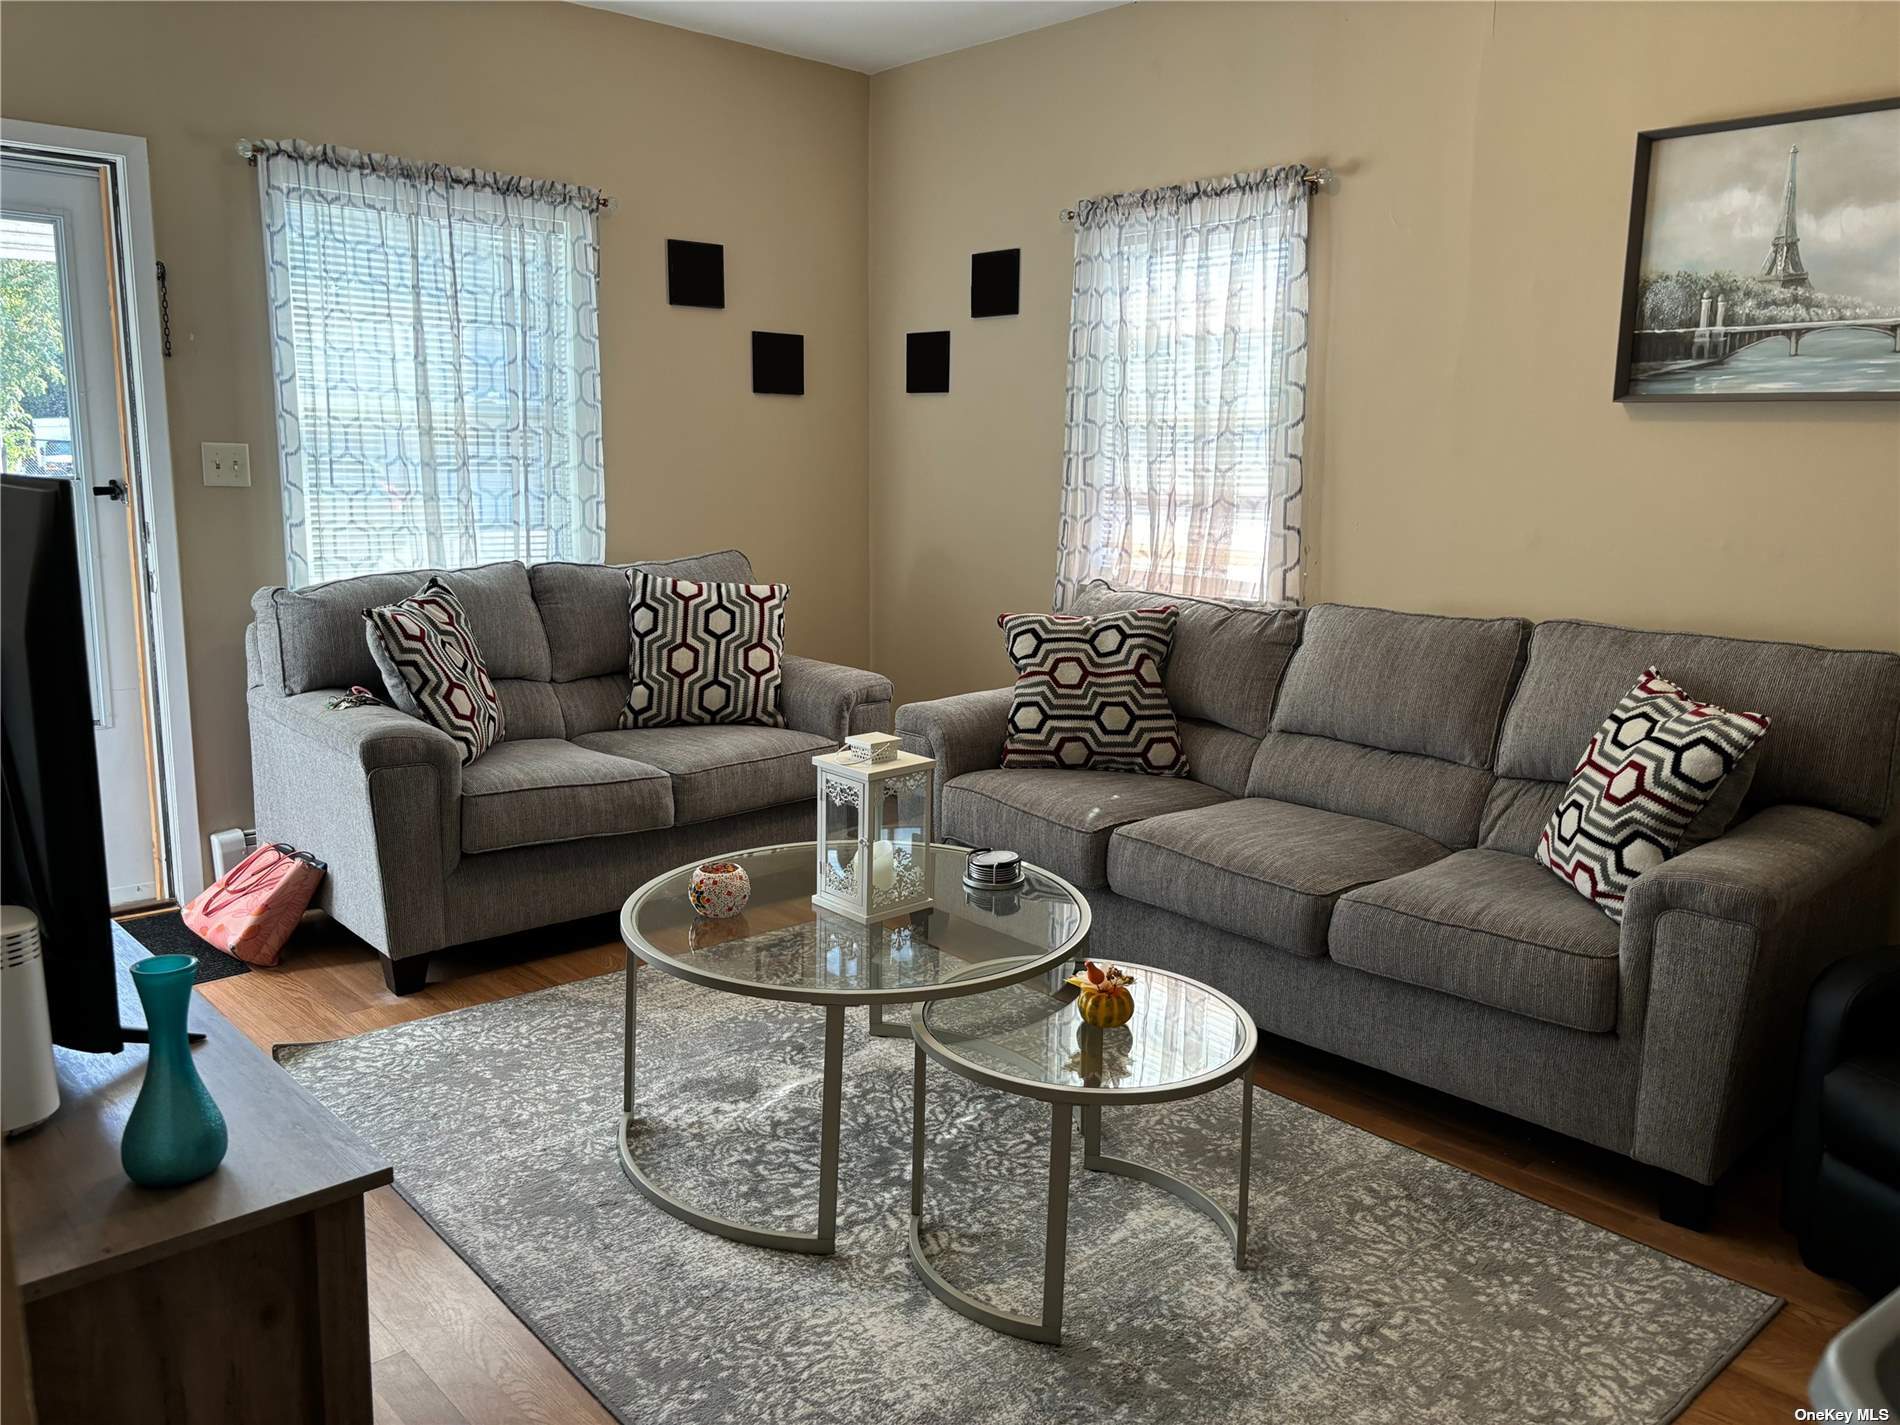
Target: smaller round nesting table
{"x":1185,"y":1039}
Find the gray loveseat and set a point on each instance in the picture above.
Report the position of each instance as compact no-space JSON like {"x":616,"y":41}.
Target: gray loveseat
{"x":562,"y":819}
{"x":1351,"y":858}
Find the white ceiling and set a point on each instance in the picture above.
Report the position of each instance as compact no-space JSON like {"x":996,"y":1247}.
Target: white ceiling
{"x":865,"y":35}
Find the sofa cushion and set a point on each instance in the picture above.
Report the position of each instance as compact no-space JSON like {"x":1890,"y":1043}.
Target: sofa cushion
{"x":431,"y":666}
{"x":584,"y":607}
{"x":1060,"y":820}
{"x":1442,"y":800}
{"x":1264,"y":869}
{"x":1515,"y":812}
{"x":591,"y":704}
{"x":1218,"y":755}
{"x":1836,"y":742}
{"x":1487,"y":926}
{"x":1089,"y":694}
{"x":1393,"y":717}
{"x":313,"y":637}
{"x":1655,"y":765}
{"x":703,"y":652}
{"x":529,"y":708}
{"x":1227,"y":660}
{"x":1418,"y":683}
{"x":724,"y":770}
{"x":544,"y":789}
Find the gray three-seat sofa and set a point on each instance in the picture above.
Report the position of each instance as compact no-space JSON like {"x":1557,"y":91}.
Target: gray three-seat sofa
{"x":562,"y":819}
{"x":1351,"y":858}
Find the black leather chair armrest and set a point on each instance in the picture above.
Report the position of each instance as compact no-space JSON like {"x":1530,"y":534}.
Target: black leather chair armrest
{"x":1854,"y":1005}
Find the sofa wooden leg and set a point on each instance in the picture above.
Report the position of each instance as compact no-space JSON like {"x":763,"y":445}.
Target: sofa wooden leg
{"x":1684,"y":1202}
{"x":407,"y":975}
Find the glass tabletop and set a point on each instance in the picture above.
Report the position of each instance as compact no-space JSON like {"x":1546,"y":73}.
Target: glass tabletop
{"x":1185,"y":1038}
{"x":783,"y":947}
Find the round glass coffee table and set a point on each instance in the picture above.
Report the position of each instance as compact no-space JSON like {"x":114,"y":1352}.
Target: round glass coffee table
{"x":1186,"y":1038}
{"x":784,"y":948}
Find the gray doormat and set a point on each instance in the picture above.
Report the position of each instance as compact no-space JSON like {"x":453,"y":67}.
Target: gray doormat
{"x":1384,"y":1285}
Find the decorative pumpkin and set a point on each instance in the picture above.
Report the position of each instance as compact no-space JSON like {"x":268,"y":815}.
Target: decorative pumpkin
{"x":1105,"y":1000}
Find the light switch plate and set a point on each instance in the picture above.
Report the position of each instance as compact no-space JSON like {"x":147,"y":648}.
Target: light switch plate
{"x":226,"y":462}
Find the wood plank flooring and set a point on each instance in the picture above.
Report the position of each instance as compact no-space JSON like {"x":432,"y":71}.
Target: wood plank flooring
{"x":447,"y":1352}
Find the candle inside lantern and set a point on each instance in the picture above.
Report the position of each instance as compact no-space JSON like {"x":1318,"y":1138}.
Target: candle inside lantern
{"x":883,"y":865}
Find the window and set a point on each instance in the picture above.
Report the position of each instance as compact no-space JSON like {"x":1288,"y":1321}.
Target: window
{"x":1187,"y":390}
{"x":436,"y":349}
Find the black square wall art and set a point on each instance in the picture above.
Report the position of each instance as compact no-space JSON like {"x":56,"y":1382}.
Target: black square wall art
{"x":778,"y":364}
{"x":926,"y":362}
{"x":996,"y":281}
{"x":695,"y":273}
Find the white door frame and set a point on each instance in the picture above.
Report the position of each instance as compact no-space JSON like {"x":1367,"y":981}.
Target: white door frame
{"x":150,"y":476}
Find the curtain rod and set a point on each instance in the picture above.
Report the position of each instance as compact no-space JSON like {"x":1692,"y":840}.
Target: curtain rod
{"x":1320,"y":180}
{"x":248,"y":151}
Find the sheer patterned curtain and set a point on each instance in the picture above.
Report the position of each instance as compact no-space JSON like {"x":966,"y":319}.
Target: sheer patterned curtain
{"x":1187,"y":390}
{"x":435,"y":334}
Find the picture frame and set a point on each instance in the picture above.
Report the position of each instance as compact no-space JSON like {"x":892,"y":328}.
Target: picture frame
{"x":1715,"y":214}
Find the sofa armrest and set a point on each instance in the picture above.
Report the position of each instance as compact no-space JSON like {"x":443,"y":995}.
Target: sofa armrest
{"x":832,"y":700}
{"x":373,"y":792}
{"x":1719,"y":948}
{"x":1764,"y":868}
{"x":964,"y":733}
{"x":368,"y":737}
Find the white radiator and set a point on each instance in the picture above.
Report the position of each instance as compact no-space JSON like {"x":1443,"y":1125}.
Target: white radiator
{"x":230,"y":847}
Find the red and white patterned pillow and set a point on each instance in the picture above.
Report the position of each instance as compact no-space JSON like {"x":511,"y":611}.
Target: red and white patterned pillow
{"x":1656,"y":763}
{"x":433,"y":669}
{"x":703,"y":653}
{"x":1089,"y":692}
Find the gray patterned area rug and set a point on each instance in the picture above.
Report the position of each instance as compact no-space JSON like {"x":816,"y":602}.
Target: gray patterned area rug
{"x":1383,"y":1285}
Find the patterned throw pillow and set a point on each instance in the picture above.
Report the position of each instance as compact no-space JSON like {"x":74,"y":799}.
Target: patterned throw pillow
{"x":703,"y":653}
{"x":1652,"y":768}
{"x":1089,"y":693}
{"x":433,"y":669}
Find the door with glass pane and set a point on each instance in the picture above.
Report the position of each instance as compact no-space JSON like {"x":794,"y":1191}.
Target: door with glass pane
{"x":62,"y":401}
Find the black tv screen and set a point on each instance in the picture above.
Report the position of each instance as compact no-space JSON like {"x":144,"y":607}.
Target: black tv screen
{"x":54,"y":844}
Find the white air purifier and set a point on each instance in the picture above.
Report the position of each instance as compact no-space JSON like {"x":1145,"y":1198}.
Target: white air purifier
{"x":29,"y":1089}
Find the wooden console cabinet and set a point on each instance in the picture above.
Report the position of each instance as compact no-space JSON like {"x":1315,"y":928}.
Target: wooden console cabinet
{"x":239,"y":1298}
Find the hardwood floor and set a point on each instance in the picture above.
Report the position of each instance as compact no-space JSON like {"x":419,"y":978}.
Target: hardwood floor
{"x":446,"y":1350}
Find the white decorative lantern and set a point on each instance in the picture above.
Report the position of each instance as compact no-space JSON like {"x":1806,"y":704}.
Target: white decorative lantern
{"x":874,"y":829}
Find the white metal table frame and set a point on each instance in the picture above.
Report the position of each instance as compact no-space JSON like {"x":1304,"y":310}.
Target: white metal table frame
{"x":822,"y":1241}
{"x":1063,"y":1101}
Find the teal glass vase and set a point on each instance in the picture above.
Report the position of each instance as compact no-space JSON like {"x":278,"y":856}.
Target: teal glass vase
{"x":175,"y":1134}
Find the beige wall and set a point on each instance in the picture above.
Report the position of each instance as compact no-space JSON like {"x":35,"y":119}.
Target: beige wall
{"x":1464,"y":453}
{"x":1463,"y":450}
{"x":694,"y":137}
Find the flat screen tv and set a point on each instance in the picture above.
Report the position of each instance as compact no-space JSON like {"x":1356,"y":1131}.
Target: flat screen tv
{"x":54,"y":845}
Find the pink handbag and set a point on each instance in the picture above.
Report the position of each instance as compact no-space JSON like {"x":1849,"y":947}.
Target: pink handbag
{"x":251,"y":909}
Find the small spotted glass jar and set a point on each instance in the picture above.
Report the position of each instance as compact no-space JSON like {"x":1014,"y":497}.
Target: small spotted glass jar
{"x":719,"y":889}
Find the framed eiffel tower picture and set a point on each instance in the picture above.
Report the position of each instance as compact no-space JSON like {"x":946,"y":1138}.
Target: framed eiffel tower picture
{"x":1764,"y":260}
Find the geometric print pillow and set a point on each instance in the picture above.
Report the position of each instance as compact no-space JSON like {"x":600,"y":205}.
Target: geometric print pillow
{"x":1649,"y":771}
{"x":703,"y":653}
{"x":433,"y":669}
{"x":1089,"y":693}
